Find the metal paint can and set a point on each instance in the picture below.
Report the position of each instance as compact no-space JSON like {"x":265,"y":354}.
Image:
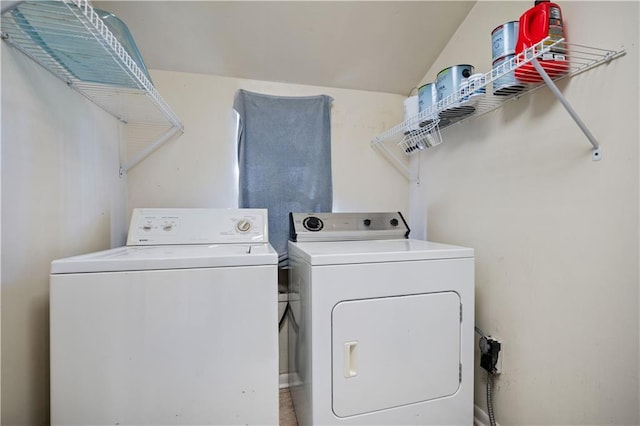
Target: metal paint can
{"x":506,"y":84}
{"x":464,"y":90}
{"x":449,"y":83}
{"x":448,"y":80}
{"x":427,"y":98}
{"x":477,"y":86}
{"x":503,"y":40}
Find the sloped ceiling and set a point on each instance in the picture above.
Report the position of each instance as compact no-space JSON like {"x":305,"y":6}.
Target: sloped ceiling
{"x":382,"y":46}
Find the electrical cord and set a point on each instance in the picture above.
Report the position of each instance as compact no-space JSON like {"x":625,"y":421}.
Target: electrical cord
{"x":288,"y":313}
{"x":492,"y":417}
{"x":283,"y":318}
{"x":489,"y":348}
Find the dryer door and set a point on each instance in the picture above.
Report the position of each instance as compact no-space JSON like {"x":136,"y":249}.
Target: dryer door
{"x":394,"y":351}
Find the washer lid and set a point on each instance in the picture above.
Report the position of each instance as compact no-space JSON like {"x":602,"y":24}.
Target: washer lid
{"x":145,"y":258}
{"x":348,"y":252}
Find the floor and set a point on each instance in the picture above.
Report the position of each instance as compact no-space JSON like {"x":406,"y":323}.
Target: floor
{"x":287,"y":414}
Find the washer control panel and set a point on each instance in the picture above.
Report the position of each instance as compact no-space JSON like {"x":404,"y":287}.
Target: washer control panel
{"x":347,"y":226}
{"x":157,"y":226}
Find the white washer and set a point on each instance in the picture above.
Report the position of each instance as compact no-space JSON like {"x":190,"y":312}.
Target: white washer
{"x":179,"y":327}
{"x":382,"y":327}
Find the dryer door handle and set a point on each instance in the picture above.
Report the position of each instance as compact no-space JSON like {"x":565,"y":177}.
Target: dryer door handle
{"x":350,"y":359}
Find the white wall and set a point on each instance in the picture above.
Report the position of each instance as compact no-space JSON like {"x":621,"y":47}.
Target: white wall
{"x":199,"y":168}
{"x":61,"y":195}
{"x":555,"y":234}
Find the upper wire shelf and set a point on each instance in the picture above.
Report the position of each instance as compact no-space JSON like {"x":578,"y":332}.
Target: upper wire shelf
{"x":475,"y":98}
{"x":56,"y":33}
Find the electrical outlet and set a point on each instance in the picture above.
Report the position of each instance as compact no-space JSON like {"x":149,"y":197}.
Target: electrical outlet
{"x":500,"y":354}
{"x":491,"y":356}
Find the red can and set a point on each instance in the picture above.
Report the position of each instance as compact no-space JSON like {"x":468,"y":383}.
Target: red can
{"x":542,"y":21}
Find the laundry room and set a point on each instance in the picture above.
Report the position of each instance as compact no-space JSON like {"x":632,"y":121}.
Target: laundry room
{"x":538,"y":190}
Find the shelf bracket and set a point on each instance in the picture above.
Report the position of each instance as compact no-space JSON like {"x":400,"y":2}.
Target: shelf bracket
{"x":394,"y":160}
{"x":596,"y":154}
{"x":149,"y":149}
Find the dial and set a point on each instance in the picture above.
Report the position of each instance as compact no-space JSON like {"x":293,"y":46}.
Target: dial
{"x":313,"y":223}
{"x":243,"y":225}
{"x":394,"y":222}
{"x":367,"y":222}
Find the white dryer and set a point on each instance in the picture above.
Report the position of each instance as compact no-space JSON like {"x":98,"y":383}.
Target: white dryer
{"x":382,"y":325}
{"x":179,"y":327}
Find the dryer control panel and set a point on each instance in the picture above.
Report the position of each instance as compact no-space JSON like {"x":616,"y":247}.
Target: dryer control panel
{"x":158,"y":226}
{"x":347,"y":226}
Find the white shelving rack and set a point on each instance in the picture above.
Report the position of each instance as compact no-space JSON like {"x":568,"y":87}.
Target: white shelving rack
{"x":399,"y":143}
{"x":79,"y":32}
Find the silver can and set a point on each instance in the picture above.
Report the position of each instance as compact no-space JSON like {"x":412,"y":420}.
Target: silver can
{"x":506,"y":84}
{"x":448,"y":87}
{"x":503,"y":40}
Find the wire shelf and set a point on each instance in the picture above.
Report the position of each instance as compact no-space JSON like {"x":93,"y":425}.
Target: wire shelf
{"x":65,"y":36}
{"x":480,"y":96}
{"x":420,"y":135}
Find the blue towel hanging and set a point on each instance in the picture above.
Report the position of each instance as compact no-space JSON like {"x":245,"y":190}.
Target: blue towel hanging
{"x":284,"y":158}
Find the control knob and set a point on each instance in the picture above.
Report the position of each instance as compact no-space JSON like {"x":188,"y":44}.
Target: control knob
{"x":394,"y":222}
{"x":243,"y":225}
{"x":313,"y":223}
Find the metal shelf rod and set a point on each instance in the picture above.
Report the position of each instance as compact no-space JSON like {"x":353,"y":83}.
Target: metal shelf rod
{"x":556,"y":92}
{"x":149,"y":149}
{"x":399,"y":165}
